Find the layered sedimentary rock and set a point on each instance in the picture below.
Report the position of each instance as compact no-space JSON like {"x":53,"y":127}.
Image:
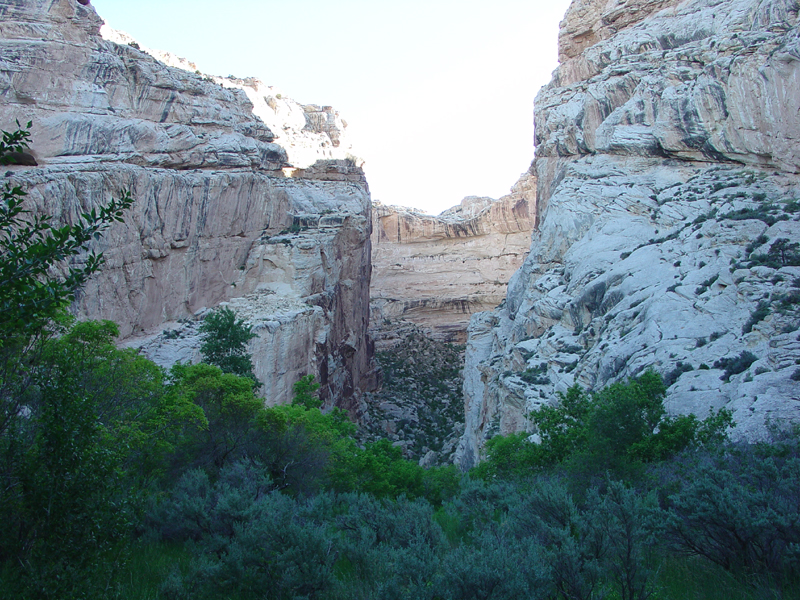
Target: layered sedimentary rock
{"x":241,"y":196}
{"x":436,"y":271}
{"x":667,"y":172}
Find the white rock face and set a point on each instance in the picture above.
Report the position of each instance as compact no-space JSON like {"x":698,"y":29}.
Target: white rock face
{"x":231,"y":202}
{"x":667,"y":171}
{"x":435,"y":271}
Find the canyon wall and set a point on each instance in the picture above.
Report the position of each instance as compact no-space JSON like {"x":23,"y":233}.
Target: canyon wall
{"x":668,"y":203}
{"x":436,"y":271}
{"x":241,"y":197}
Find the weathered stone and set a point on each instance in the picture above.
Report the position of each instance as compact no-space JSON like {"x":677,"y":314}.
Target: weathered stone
{"x":435,"y":271}
{"x":240,"y":196}
{"x":666,"y":126}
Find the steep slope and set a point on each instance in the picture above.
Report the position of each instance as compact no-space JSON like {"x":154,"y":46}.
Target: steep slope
{"x":435,"y":271}
{"x":667,"y":164}
{"x":241,"y":196}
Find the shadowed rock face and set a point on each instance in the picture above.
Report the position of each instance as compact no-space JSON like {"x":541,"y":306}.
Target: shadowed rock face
{"x":436,"y":271}
{"x":229,"y":206}
{"x":667,"y":174}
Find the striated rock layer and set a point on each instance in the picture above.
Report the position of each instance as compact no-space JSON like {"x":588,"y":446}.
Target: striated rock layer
{"x":436,"y":271}
{"x":242,"y":196}
{"x":668,"y":193}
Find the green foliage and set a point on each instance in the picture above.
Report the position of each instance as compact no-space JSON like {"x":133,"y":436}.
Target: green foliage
{"x":30,"y":249}
{"x":225,"y":343}
{"x":509,"y":456}
{"x":739,"y":508}
{"x":680,"y":369}
{"x":32,"y":296}
{"x":630,"y":524}
{"x":68,"y":488}
{"x":536,"y":375}
{"x":249,"y":542}
{"x":617,"y":429}
{"x":768,"y":213}
{"x":782,"y":252}
{"x":229,"y":408}
{"x":14,"y":141}
{"x":759,"y":314}
{"x":305,"y":392}
{"x":69,"y":469}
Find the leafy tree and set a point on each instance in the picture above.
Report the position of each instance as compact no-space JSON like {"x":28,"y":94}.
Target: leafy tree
{"x":32,"y":297}
{"x":66,"y":498}
{"x":305,"y":392}
{"x":225,"y":342}
{"x":227,"y":429}
{"x":510,"y":456}
{"x":69,"y":466}
{"x":307,"y":449}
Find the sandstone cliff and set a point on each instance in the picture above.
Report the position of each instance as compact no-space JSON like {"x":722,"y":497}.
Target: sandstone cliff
{"x":435,"y":271}
{"x":242,"y":196}
{"x":667,"y":164}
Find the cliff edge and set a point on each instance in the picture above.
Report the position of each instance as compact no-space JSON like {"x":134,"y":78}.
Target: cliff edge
{"x":242,"y":197}
{"x":436,"y":271}
{"x":668,"y":196}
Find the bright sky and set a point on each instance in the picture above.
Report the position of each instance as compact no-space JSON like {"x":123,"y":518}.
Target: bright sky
{"x":437,"y":94}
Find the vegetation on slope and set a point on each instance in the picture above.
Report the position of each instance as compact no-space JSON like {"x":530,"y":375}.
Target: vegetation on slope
{"x":420,"y":406}
{"x":118,"y":479}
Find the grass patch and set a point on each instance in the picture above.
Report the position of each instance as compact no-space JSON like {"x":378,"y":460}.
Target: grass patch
{"x":149,"y":565}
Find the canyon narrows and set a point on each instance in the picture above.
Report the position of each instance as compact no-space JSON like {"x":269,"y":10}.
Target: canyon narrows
{"x":663,"y":205}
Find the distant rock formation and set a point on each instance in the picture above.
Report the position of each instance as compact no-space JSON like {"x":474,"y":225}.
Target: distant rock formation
{"x":242,"y":196}
{"x":667,"y":162}
{"x":436,"y":271}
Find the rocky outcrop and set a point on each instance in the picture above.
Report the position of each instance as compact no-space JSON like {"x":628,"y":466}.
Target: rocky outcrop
{"x":435,"y":271}
{"x":419,"y":407}
{"x":241,"y":196}
{"x":667,"y":172}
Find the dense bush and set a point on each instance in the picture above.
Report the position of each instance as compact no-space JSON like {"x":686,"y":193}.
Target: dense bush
{"x":735,"y":365}
{"x":739,"y":507}
{"x":615,"y":430}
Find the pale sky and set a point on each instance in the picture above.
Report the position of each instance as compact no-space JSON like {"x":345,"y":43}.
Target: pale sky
{"x":437,"y":94}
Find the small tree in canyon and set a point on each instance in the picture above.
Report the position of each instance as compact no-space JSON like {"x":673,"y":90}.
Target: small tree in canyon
{"x":225,"y":343}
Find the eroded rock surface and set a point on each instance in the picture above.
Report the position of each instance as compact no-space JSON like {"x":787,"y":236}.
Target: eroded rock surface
{"x":436,"y":271}
{"x":419,"y":407}
{"x":242,"y":196}
{"x":667,"y":172}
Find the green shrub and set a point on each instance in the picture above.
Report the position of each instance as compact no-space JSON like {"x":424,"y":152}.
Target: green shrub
{"x":759,"y":314}
{"x":674,"y":374}
{"x":738,"y":509}
{"x":617,"y":429}
{"x":536,"y":375}
{"x":305,"y":392}
{"x":706,"y":284}
{"x":735,"y":365}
